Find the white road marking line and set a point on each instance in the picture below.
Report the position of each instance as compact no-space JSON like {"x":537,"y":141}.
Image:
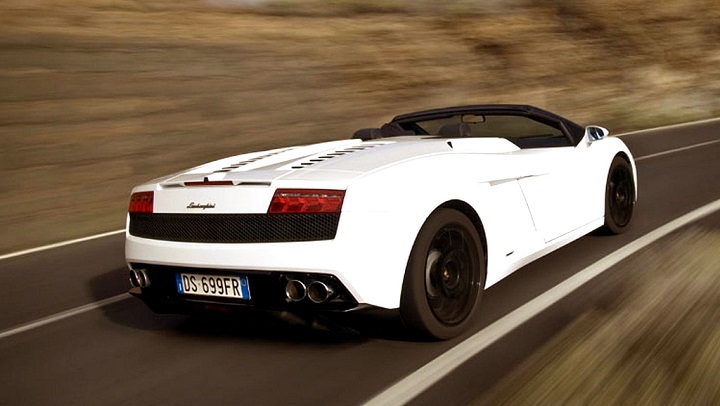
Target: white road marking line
{"x":702,"y":144}
{"x":59,"y":244}
{"x":63,"y":315}
{"x":671,"y":126}
{"x":412,"y":385}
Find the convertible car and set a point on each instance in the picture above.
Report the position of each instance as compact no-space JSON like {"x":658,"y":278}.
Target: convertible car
{"x":420,"y":215}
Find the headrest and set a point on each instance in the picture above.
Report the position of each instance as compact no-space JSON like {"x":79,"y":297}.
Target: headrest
{"x":367,"y":134}
{"x":455,"y":130}
{"x":394,"y":130}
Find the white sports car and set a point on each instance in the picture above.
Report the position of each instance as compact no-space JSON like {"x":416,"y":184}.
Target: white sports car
{"x":420,"y":215}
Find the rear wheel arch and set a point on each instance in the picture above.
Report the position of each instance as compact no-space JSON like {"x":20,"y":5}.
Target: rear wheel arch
{"x":624,"y":156}
{"x":470,"y":213}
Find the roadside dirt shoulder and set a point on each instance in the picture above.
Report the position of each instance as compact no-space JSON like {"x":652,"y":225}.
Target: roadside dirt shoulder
{"x":657,"y":344}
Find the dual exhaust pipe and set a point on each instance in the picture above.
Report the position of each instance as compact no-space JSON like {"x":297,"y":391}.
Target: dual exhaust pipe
{"x":316,"y":291}
{"x":139,"y":278}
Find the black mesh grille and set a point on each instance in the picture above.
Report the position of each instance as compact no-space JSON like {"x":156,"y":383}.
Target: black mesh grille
{"x":234,"y":228}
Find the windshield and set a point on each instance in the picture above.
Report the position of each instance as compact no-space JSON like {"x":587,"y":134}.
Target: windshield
{"x":502,"y":126}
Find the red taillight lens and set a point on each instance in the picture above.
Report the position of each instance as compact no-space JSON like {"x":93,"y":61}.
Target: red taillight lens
{"x":141,"y":202}
{"x":306,"y":201}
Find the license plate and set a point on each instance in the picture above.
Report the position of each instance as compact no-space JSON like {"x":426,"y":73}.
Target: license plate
{"x":213,"y":285}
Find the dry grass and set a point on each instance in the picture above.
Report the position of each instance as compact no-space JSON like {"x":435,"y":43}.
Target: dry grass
{"x":659,"y":344}
{"x":98,"y":95}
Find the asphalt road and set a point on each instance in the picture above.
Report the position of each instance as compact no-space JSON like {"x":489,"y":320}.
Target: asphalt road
{"x":123,"y":354}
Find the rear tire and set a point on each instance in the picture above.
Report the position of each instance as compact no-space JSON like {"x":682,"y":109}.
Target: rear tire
{"x":619,"y":197}
{"x":444,"y":278}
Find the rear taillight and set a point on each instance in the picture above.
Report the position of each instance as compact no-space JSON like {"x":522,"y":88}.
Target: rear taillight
{"x":141,"y":202}
{"x":306,"y":201}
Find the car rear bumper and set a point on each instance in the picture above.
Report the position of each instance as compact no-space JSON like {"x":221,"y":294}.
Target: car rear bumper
{"x":366,"y":261}
{"x":266,"y":290}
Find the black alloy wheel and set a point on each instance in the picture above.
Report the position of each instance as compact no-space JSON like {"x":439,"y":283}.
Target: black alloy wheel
{"x":619,"y":196}
{"x":444,"y":277}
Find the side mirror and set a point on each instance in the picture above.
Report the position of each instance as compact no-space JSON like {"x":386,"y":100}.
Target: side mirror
{"x":595,"y":133}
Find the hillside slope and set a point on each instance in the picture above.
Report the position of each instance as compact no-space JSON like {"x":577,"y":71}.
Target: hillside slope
{"x":98,"y":95}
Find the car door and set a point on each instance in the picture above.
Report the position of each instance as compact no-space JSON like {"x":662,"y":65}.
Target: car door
{"x":556,"y":190}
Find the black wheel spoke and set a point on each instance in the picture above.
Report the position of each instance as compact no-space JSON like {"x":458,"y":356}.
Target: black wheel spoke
{"x":620,"y":196}
{"x":452,"y":277}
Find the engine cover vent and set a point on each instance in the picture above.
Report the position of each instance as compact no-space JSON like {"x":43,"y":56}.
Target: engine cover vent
{"x":330,"y":155}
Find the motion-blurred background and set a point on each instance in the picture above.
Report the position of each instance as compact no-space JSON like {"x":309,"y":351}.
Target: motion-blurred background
{"x":99,"y":95}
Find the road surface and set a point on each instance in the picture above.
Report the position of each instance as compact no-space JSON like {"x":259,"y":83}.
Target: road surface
{"x":121,"y":353}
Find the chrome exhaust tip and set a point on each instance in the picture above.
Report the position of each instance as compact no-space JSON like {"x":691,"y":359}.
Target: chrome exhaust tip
{"x":142,"y":278}
{"x":295,"y":290}
{"x":319,"y":292}
{"x":134,"y":279}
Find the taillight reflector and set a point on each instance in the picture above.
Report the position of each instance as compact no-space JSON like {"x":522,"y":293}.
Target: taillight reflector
{"x":141,"y":202}
{"x":306,"y":201}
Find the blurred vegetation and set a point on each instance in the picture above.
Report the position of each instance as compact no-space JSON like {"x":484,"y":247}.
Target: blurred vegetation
{"x":657,"y":344}
{"x":99,"y":95}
